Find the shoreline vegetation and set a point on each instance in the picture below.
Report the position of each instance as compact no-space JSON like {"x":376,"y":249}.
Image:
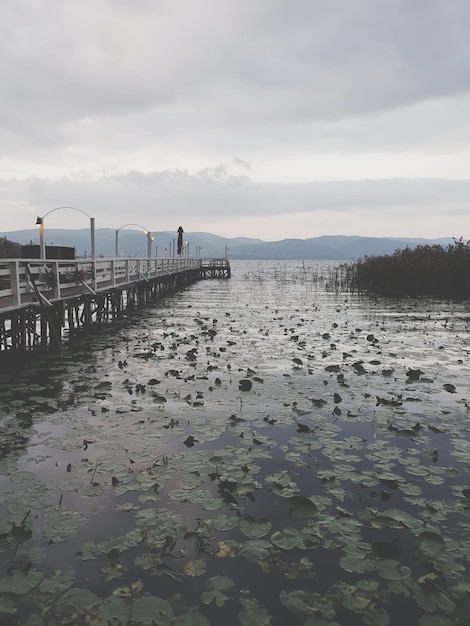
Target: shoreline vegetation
{"x":427,"y":270}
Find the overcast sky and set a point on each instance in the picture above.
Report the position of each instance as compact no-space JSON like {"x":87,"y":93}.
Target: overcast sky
{"x":262,"y":118}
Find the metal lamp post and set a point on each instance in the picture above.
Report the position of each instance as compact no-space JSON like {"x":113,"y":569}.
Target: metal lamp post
{"x":170,"y":246}
{"x":42,"y":248}
{"x":147,"y":233}
{"x":197,"y":249}
{"x":40,"y":225}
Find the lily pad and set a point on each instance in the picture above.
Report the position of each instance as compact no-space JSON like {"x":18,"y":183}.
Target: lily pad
{"x":21,"y":477}
{"x":287,"y":539}
{"x":252,"y":614}
{"x":195,"y":568}
{"x":58,"y":583}
{"x":316,"y":607}
{"x":152,"y":611}
{"x":390,"y":569}
{"x":256,"y":550}
{"x":429,"y":545}
{"x":115,"y":611}
{"x":76,"y":600}
{"x":217,"y":586}
{"x":20,"y":584}
{"x":302,"y":507}
{"x":224,"y":522}
{"x":253,"y":528}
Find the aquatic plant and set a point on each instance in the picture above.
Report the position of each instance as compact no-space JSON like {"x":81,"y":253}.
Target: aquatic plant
{"x":425,"y":270}
{"x":9,"y":249}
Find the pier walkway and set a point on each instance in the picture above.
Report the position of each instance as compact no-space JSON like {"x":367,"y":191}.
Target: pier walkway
{"x":45,"y":303}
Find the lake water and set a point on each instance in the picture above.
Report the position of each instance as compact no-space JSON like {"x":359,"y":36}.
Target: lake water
{"x":254,"y":451}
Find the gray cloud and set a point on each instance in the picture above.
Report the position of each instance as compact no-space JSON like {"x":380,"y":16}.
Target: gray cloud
{"x":249,"y":62}
{"x":161,"y":198}
{"x":130,"y":104}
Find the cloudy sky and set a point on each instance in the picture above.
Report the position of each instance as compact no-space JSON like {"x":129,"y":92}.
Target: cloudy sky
{"x":261,"y":118}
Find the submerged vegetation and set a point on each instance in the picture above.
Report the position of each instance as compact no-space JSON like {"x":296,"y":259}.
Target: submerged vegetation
{"x":423,"y":271}
{"x":252,"y":452}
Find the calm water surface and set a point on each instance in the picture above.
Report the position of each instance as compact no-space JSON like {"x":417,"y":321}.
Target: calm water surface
{"x":255,"y":451}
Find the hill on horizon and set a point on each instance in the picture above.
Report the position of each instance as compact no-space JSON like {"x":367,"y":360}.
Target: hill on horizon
{"x":209,"y":245}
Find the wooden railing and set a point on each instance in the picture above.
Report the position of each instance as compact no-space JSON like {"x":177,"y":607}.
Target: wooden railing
{"x":22,"y":279}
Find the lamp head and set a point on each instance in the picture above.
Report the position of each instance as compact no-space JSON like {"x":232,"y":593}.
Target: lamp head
{"x":39,"y":221}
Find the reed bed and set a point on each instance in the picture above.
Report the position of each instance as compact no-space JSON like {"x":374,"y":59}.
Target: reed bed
{"x":427,"y":270}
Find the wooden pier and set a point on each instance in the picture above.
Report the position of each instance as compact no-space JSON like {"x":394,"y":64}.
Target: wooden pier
{"x":45,"y":304}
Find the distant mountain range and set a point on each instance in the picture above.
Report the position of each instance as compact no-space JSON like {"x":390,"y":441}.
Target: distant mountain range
{"x":134,"y":242}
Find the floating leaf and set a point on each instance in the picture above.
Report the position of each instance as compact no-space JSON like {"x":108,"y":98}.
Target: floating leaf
{"x":152,"y":611}
{"x":302,"y":507}
{"x":158,"y":399}
{"x":301,"y":570}
{"x":333,"y":368}
{"x":20,"y":584}
{"x":395,"y":518}
{"x":226,"y":549}
{"x":414,"y":374}
{"x":195,"y":568}
{"x":105,"y":384}
{"x":216,"y":460}
{"x":318,"y":608}
{"x":217,"y":586}
{"x":255,"y":529}
{"x":389,"y":569}
{"x":256,"y":550}
{"x":287,"y":539}
{"x":429,"y":545}
{"x":431,"y":597}
{"x":58,"y":583}
{"x":356,"y":563}
{"x":309,"y":540}
{"x":286,"y":490}
{"x":76,"y":599}
{"x":368,"y":585}
{"x":351,"y":597}
{"x":115,"y":611}
{"x":252,"y":614}
{"x":21,"y":477}
{"x":224,"y":522}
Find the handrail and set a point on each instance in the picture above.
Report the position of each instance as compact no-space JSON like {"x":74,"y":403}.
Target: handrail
{"x":58,"y":279}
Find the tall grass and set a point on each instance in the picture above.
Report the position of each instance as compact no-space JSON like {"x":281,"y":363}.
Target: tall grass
{"x":425,"y":270}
